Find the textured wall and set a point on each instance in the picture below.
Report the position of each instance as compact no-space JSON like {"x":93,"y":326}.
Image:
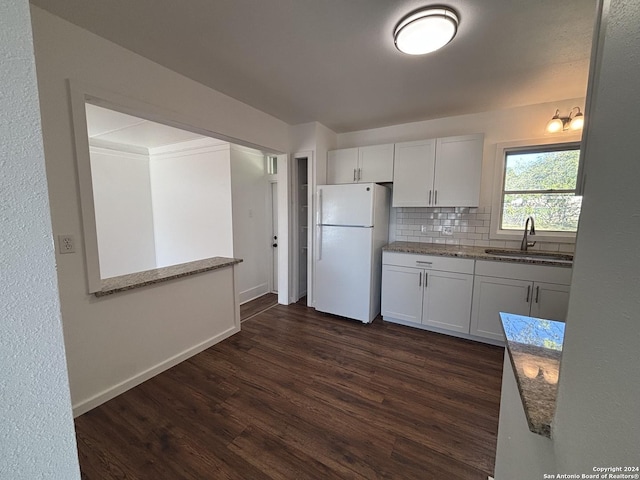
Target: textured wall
{"x":36,"y":438}
{"x":597,"y":422}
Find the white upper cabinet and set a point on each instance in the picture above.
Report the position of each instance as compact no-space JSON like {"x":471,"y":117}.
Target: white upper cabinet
{"x":413,"y":170}
{"x":342,"y":166}
{"x":373,"y":164}
{"x":458,"y":171}
{"x":443,"y":172}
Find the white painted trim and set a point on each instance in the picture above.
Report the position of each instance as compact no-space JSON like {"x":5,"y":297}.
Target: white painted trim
{"x":200,"y":145}
{"x":295,"y":261}
{"x":78,"y":98}
{"x":112,"y":392}
{"x":495,"y":233}
{"x":81,"y":93}
{"x":311,"y":231}
{"x":284,"y":230}
{"x":105,"y":146}
{"x":253,"y":293}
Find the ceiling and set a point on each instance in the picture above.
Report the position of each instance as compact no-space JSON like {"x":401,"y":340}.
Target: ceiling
{"x":333,"y":61}
{"x":114,"y":127}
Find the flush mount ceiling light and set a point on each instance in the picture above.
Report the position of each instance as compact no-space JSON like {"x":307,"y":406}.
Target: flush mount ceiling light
{"x":572,"y":122}
{"x":426,"y":30}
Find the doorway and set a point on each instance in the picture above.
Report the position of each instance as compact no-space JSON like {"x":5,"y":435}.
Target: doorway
{"x":301,"y":192}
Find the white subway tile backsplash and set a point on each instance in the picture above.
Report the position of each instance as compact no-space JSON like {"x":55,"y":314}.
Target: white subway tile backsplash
{"x":470,"y":226}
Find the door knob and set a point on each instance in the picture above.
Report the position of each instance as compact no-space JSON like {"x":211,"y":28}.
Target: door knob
{"x":274,"y":245}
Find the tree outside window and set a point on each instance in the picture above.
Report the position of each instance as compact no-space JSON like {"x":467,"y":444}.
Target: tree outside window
{"x":541,"y":183}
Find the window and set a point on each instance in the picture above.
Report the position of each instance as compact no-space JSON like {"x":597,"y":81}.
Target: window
{"x":541,"y":182}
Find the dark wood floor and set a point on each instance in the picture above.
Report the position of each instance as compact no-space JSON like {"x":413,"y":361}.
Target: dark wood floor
{"x":258,"y":305}
{"x":302,"y":395}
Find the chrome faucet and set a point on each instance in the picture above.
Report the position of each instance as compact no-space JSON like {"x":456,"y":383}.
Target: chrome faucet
{"x":525,"y":241}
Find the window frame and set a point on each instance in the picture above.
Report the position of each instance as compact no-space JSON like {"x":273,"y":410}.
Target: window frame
{"x":502,"y":149}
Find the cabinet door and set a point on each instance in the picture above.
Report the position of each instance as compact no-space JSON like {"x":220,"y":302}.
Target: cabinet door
{"x":413,"y":173}
{"x":550,"y":301}
{"x":458,"y":170}
{"x":492,"y":296}
{"x":447,"y":300}
{"x":375,"y":164}
{"x":342,"y":166}
{"x":402,"y":293}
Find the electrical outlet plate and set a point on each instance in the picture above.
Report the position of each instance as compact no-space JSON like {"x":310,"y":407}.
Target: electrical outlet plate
{"x":447,"y":231}
{"x":66,"y":244}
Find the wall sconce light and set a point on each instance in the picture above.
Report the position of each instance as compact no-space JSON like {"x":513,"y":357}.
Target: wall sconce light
{"x":572,"y":122}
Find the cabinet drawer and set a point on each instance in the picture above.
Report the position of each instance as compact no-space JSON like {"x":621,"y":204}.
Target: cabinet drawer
{"x":535,"y":273}
{"x":429,"y":262}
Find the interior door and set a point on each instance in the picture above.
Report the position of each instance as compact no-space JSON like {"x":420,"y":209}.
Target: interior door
{"x":274,"y":237}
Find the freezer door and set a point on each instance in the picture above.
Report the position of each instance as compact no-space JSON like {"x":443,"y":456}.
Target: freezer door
{"x":346,"y":204}
{"x":343,"y":272}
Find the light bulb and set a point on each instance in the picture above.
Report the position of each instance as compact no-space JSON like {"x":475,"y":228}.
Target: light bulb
{"x":577,"y":122}
{"x":554,"y":125}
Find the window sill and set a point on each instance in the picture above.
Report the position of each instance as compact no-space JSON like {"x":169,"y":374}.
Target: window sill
{"x":551,"y":237}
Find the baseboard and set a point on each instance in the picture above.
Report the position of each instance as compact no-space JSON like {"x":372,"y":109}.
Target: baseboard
{"x":112,"y":392}
{"x":253,"y":293}
{"x":451,"y":333}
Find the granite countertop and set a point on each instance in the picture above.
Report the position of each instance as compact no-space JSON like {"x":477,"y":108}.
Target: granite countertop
{"x":535,"y":350}
{"x":149,"y":277}
{"x":479,"y":253}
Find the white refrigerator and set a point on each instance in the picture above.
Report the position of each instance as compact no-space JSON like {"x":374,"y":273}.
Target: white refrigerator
{"x":352,"y":227}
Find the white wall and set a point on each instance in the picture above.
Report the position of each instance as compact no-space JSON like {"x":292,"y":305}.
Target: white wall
{"x":37,"y":438}
{"x":597,"y":422}
{"x":251,"y":221}
{"x":112,"y":342}
{"x":124,"y":217}
{"x":522,"y":123}
{"x":191,"y":192}
{"x":315,"y":140}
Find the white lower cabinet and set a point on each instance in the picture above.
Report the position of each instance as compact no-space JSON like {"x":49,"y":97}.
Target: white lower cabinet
{"x":549,"y":301}
{"x":402,"y":293}
{"x":516,"y":288}
{"x":464,"y":296}
{"x":432,"y":291}
{"x":447,"y":300}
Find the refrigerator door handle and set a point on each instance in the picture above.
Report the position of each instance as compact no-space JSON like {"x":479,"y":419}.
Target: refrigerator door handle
{"x":319,"y":227}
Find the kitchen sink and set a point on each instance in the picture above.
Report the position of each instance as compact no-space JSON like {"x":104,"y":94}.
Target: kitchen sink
{"x":531,"y":255}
